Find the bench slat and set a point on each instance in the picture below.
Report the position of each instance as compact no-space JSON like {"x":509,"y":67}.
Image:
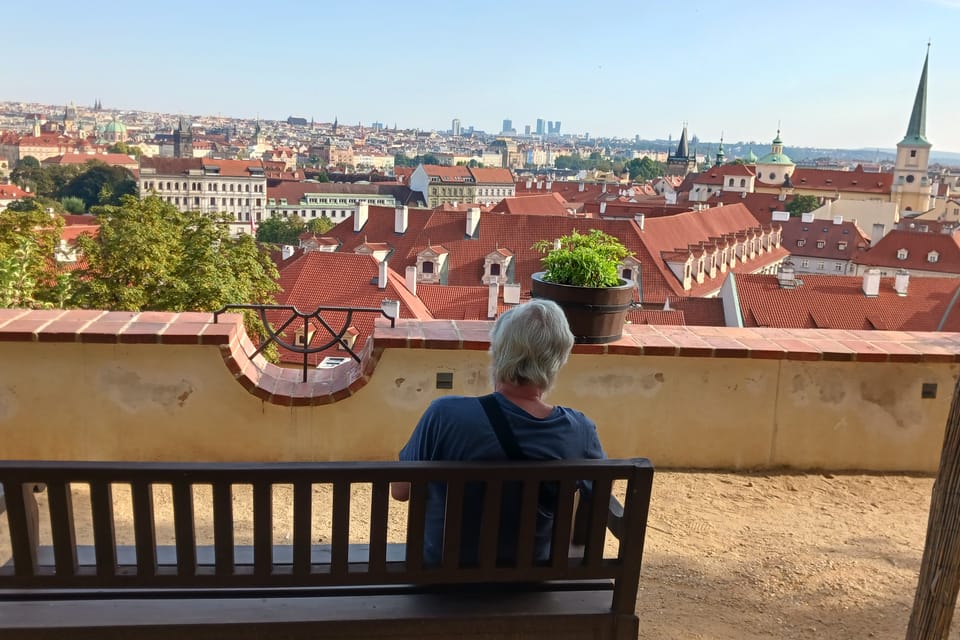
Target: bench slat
{"x":144,"y":529}
{"x":453,"y":525}
{"x":379,"y":514}
{"x":262,"y":528}
{"x":599,"y":507}
{"x":489,"y":533}
{"x":104,"y":532}
{"x":416,"y":514}
{"x":563,"y":523}
{"x":184,"y":529}
{"x":62,"y":527}
{"x":23,"y":517}
{"x":302,"y":526}
{"x":223,"y":527}
{"x":340,"y":524}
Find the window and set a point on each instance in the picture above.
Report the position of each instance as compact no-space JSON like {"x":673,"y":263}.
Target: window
{"x":773,"y":175}
{"x":743,"y":182}
{"x":838,"y":266}
{"x":731,"y":182}
{"x":627,"y":274}
{"x":495,"y":269}
{"x":821,"y":244}
{"x":933,"y":256}
{"x":913,"y":153}
{"x":800,"y":243}
{"x":902,"y":254}
{"x":910,"y":178}
{"x":427,"y":267}
{"x":842,"y":245}
{"x":805,"y":263}
{"x":821,"y":265}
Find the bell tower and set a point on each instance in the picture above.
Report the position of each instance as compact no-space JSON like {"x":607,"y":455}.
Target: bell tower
{"x":911,"y":184}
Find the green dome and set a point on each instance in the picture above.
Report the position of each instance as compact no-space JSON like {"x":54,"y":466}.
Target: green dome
{"x":775,"y":158}
{"x":115,"y":126}
{"x":751,"y":157}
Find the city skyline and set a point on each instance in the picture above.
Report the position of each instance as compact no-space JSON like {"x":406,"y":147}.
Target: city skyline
{"x":832,"y":76}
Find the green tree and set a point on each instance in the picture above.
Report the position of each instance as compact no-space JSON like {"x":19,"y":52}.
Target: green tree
{"x":645,"y":168}
{"x":126,"y":149}
{"x":802,"y":204}
{"x":73,"y":204}
{"x":100,"y":184}
{"x":281,"y":230}
{"x":29,"y":235}
{"x":29,"y":175}
{"x":322,"y":177}
{"x":320,"y":225}
{"x":150,"y":256}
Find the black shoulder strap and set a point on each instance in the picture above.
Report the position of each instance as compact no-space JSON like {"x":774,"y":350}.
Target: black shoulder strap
{"x":501,"y":427}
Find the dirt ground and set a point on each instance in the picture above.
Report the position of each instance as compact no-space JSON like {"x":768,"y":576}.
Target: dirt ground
{"x":728,"y":556}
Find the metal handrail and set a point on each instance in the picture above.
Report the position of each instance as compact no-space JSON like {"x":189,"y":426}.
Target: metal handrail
{"x":273,"y":335}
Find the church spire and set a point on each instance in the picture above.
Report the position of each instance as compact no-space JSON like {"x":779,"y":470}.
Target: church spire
{"x":720,"y":154}
{"x":917,"y":129}
{"x":683,"y":150}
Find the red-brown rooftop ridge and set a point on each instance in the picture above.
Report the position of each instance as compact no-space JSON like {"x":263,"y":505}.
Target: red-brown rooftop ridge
{"x":282,"y":386}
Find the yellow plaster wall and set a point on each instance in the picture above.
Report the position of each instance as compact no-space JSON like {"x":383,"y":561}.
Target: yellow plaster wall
{"x":164,"y":402}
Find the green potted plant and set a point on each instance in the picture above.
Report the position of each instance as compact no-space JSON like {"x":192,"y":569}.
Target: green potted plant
{"x":580,"y":274}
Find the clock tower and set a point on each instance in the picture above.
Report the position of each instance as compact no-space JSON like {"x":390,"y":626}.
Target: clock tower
{"x":911,"y":184}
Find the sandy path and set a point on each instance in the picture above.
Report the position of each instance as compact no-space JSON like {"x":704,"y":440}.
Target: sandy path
{"x":738,"y":556}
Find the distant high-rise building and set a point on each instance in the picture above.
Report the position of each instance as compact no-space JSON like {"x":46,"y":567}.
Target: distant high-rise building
{"x":526,"y":130}
{"x":550,"y":127}
{"x":540,"y":124}
{"x":507,"y":126}
{"x":455,"y":127}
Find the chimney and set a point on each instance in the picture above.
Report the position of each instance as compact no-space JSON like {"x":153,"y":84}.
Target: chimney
{"x":492,"y":300}
{"x":604,"y":187}
{"x":539,"y":185}
{"x":529,"y":184}
{"x":743,"y":195}
{"x":360,"y":216}
{"x":382,"y":275}
{"x":640,"y":219}
{"x":786,"y":277}
{"x":511,"y":293}
{"x":603,"y":207}
{"x":580,"y":187}
{"x":806,"y":217}
{"x":901,"y":281}
{"x":287,"y":251}
{"x":879,"y":230}
{"x":400,"y":219}
{"x":871,"y":283}
{"x":837,"y":219}
{"x":782,"y":197}
{"x":549,"y":185}
{"x":411,"y":278}
{"x":473,"y":221}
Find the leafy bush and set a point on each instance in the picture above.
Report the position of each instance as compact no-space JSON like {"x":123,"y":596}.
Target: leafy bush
{"x":583,"y":260}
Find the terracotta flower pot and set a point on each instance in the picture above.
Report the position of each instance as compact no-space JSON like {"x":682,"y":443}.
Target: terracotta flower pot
{"x":595,"y":315}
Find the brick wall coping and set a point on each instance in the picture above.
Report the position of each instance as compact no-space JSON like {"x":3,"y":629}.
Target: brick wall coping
{"x":283,"y":386}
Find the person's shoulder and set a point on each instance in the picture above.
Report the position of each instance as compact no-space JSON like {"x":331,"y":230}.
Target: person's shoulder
{"x":574,"y":415}
{"x":447,"y":404}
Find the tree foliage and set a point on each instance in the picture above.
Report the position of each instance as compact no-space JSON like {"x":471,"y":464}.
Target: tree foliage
{"x":281,"y":230}
{"x":73,"y":204}
{"x":126,"y":149}
{"x":29,"y":273}
{"x":150,"y":256}
{"x":802,"y":204}
{"x":93,"y":182}
{"x":645,"y":168}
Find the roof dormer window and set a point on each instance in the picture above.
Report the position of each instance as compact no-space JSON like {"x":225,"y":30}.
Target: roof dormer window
{"x":902,"y":254}
{"x":800,"y":243}
{"x":821,"y":244}
{"x":933,"y":256}
{"x":842,"y":245}
{"x":426,"y":266}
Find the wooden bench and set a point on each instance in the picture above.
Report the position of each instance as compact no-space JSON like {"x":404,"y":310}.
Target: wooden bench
{"x":304,"y":590}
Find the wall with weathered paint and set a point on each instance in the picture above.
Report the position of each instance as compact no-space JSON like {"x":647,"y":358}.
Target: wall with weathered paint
{"x":171,"y":402}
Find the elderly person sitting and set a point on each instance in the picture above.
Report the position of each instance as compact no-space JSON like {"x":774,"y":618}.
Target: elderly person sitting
{"x":528,"y":346}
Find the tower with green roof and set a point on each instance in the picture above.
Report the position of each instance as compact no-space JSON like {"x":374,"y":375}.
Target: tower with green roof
{"x":775,"y":167}
{"x":911,"y":183}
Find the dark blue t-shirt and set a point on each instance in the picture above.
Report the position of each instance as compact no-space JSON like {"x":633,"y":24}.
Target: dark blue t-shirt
{"x":457,"y":428}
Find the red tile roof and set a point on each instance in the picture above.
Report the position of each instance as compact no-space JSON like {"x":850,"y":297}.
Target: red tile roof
{"x":838,"y":302}
{"x":919,"y":246}
{"x":518,"y":233}
{"x":761,"y":205}
{"x":448,"y":174}
{"x":491,"y":176}
{"x":114,"y":159}
{"x":832,"y":180}
{"x":182,"y":166}
{"x":12,"y":192}
{"x":804,"y":239}
{"x":307,"y":284}
{"x":549,"y":204}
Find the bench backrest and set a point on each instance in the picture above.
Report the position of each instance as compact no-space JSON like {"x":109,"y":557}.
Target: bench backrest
{"x":302,"y":565}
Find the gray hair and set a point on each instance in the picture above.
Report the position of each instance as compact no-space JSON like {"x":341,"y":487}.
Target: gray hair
{"x":529,"y":344}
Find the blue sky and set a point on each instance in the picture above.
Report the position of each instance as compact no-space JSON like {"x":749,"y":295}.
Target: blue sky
{"x":835,"y":74}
